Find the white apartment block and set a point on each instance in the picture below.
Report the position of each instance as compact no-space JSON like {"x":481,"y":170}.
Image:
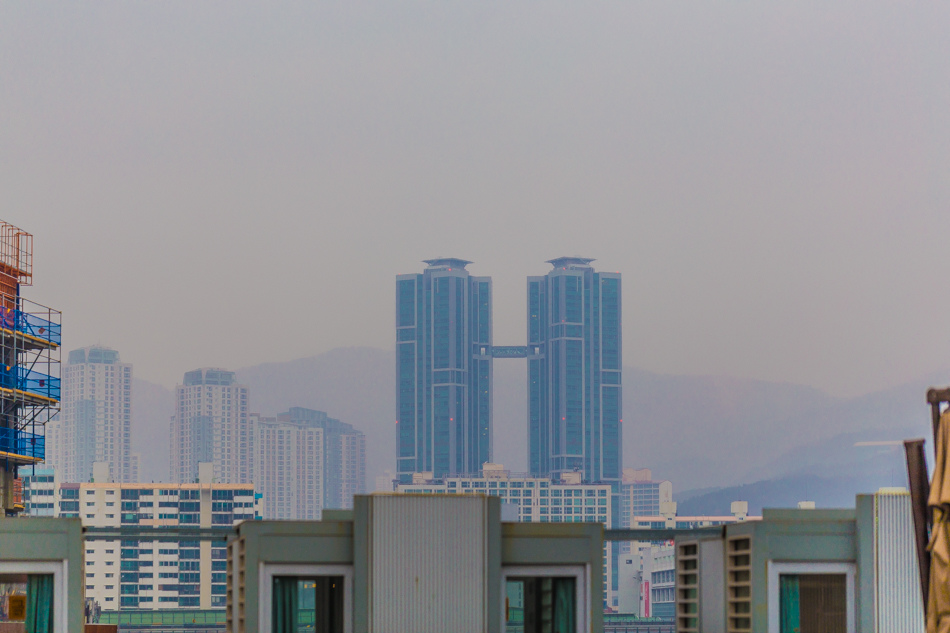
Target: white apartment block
{"x":538,"y":499}
{"x":352,"y":468}
{"x":211,"y":425}
{"x":289,"y":468}
{"x":305,"y":461}
{"x":144,"y":573}
{"x":40,"y":491}
{"x":95,"y":422}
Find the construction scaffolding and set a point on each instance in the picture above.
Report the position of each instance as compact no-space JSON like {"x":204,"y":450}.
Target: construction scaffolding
{"x":30,"y":339}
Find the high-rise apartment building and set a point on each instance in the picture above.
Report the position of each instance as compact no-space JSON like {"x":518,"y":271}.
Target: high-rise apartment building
{"x":95,"y":423}
{"x":352,"y":471}
{"x":211,"y":425}
{"x":344,"y":455}
{"x":306,"y":461}
{"x":443,"y":370}
{"x":288,"y":468}
{"x":574,"y":373}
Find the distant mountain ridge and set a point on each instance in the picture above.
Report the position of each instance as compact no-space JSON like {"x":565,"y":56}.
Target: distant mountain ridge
{"x":697,"y":431}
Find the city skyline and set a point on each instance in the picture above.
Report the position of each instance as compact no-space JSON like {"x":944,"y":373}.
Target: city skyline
{"x":777,"y":183}
{"x":444,"y":360}
{"x":226,"y":193}
{"x":302,"y":459}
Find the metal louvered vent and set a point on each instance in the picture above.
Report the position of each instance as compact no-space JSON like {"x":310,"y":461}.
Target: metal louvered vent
{"x":897,"y":596}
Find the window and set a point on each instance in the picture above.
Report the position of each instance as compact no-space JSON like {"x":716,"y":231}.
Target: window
{"x":318,"y":599}
{"x":321,"y":594}
{"x":540,"y":604}
{"x":812,"y":602}
{"x":811,"y":597}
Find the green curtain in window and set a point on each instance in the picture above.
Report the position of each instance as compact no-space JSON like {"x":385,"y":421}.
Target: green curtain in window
{"x":39,"y":603}
{"x":565,"y":603}
{"x":284,"y":612}
{"x":789,"y":604}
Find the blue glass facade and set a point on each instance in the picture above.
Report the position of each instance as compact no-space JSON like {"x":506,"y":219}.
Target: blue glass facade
{"x":443,"y":371}
{"x":574,"y":374}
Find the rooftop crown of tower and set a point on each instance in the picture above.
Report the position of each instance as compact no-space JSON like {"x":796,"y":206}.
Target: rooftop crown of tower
{"x":446,"y":262}
{"x":564,"y":262}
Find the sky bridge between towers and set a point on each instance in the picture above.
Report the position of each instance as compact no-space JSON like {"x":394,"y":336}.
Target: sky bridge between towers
{"x":509,"y":351}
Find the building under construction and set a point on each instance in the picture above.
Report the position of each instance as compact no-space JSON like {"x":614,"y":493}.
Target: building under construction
{"x":30,"y":337}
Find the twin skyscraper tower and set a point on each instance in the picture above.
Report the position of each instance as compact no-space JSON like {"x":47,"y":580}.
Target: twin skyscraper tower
{"x":444,"y":356}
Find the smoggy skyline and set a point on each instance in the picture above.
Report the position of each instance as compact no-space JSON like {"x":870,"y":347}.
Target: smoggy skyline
{"x":226,"y":184}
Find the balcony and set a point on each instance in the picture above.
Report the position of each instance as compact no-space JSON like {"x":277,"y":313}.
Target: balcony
{"x":22,"y":446}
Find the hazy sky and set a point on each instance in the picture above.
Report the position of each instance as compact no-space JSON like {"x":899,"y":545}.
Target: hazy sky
{"x":228,"y":183}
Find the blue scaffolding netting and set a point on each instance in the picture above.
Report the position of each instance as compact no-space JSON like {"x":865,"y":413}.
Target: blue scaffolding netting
{"x":22,"y":443}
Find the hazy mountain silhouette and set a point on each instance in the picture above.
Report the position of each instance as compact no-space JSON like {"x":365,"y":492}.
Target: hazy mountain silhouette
{"x":784,"y":492}
{"x":356,"y":385}
{"x":830,"y":473}
{"x":697,"y":431}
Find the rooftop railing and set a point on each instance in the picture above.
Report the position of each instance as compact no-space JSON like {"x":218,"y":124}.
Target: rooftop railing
{"x":33,"y":320}
{"x":30,"y":381}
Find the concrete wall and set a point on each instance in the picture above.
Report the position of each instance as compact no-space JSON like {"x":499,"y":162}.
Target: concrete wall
{"x":559,"y":544}
{"x":347,"y":541}
{"x":33,"y":540}
{"x":283,"y":542}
